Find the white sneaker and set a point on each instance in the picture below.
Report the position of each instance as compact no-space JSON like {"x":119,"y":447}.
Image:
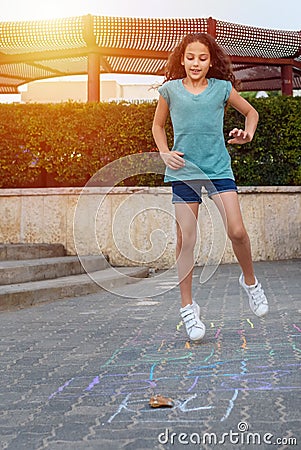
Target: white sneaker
{"x":194,"y":326}
{"x":257,"y":299}
{"x":196,"y":309}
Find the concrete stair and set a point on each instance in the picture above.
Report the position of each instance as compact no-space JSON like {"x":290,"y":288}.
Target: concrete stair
{"x":13,"y":272}
{"x":37,"y":273}
{"x":30,"y":251}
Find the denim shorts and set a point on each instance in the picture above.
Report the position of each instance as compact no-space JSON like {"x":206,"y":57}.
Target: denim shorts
{"x":190,"y":191}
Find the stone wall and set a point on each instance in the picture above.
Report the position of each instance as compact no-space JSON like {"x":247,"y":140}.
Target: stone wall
{"x":135,"y":226}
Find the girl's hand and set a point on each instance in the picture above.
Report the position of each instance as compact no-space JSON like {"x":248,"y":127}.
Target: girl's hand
{"x":239,"y":136}
{"x":173,"y":159}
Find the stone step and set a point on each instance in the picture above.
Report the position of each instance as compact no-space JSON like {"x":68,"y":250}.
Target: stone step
{"x":29,"y":294}
{"x":13,"y":272}
{"x":12,"y":252}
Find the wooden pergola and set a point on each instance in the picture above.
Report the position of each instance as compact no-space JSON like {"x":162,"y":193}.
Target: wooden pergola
{"x":263,"y":59}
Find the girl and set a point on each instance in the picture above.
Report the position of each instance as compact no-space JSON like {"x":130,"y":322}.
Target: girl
{"x":199,"y":83}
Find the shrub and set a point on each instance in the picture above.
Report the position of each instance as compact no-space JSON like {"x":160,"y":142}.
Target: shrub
{"x":65,"y":144}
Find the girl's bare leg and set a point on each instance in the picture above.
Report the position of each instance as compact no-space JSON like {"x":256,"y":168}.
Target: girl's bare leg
{"x":186,"y":217}
{"x":228,"y":205}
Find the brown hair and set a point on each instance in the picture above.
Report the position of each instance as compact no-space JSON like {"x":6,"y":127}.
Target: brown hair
{"x":221,"y":64}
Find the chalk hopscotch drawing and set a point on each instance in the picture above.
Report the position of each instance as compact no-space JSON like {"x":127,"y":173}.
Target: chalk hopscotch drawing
{"x":190,"y":371}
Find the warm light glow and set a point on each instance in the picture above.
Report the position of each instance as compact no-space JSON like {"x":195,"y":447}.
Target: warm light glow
{"x":268,"y":14}
{"x":43,"y":10}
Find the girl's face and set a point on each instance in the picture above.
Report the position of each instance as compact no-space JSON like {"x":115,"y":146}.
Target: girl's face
{"x":196,"y":61}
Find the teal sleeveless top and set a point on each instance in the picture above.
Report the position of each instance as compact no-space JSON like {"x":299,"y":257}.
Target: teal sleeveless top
{"x":198,"y":130}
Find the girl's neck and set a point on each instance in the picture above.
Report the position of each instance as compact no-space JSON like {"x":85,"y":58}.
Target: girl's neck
{"x":195,"y":86}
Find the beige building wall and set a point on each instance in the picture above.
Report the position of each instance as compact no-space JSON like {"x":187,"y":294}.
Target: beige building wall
{"x":55,"y":92}
{"x":139,"y":91}
{"x":63,"y":91}
{"x":110,"y":89}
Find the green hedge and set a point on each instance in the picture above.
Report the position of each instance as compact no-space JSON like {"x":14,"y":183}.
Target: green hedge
{"x":274,"y":155}
{"x":65,"y":144}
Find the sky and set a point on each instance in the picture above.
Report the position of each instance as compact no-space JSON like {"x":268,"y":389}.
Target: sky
{"x":277,"y":14}
{"x":272,"y":14}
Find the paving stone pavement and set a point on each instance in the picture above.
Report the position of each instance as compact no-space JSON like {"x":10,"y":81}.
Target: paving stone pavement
{"x":79,"y":373}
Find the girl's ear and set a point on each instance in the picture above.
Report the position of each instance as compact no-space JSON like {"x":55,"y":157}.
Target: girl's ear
{"x":182,"y":60}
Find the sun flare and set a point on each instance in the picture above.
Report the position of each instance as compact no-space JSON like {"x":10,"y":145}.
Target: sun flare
{"x":38,"y":10}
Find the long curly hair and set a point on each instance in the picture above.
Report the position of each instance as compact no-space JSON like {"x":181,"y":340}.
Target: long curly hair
{"x":221,"y":64}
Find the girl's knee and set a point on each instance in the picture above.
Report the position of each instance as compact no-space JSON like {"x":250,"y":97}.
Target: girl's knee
{"x":186,"y":241}
{"x":238,"y":235}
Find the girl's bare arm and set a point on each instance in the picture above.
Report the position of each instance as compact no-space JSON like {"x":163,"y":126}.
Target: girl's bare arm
{"x":251,"y":115}
{"x":172,"y":159}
